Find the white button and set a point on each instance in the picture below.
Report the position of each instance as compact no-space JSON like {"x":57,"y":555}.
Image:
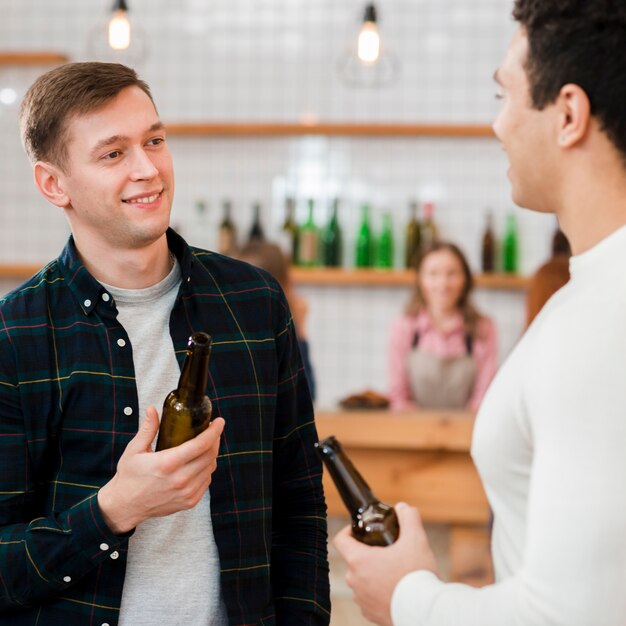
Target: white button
{"x":106,"y":297}
{"x":104,"y":546}
{"x":189,"y":279}
{"x":128,"y":410}
{"x":121,"y":343}
{"x":114,"y":555}
{"x":67,"y":579}
{"x":87,"y":302}
{"x":105,"y":624}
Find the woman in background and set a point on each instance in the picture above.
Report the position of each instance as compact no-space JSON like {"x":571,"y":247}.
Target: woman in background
{"x":443,"y":352}
{"x":270,"y":257}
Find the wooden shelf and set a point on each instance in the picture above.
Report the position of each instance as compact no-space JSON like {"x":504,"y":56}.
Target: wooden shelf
{"x":336,"y":277}
{"x":273,"y":129}
{"x":32,"y":58}
{"x":339,"y":277}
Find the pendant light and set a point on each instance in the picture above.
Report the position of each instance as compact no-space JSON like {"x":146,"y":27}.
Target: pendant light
{"x":368,"y":45}
{"x":117,"y":38}
{"x":369,"y":63}
{"x":119,"y":26}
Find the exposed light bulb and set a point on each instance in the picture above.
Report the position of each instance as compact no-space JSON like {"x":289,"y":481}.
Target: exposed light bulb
{"x":119,"y":30}
{"x":368,"y":49}
{"x":369,"y":43}
{"x":119,"y":26}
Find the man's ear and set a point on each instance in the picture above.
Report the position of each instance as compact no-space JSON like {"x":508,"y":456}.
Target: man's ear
{"x":574,"y":115}
{"x":49,"y":181}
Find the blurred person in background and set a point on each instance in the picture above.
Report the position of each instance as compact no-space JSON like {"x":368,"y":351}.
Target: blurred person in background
{"x":270,"y":257}
{"x":550,"y":436}
{"x":443,"y":353}
{"x":549,"y":278}
{"x":96,"y":527}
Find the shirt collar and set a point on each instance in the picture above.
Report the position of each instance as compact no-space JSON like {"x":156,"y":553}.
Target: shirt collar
{"x":89,"y":292}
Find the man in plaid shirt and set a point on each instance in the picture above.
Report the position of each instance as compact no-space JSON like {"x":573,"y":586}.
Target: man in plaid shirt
{"x":96,"y":527}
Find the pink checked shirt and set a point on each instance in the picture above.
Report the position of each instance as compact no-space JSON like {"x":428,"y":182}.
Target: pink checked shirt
{"x":449,"y":344}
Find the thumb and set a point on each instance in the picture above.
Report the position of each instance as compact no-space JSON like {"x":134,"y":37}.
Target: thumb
{"x":408,"y":516}
{"x":142,"y":441}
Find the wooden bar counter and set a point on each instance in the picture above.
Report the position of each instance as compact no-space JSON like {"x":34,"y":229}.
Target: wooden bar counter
{"x":423,"y":458}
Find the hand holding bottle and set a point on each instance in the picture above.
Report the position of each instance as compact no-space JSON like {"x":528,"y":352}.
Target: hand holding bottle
{"x":154,"y":484}
{"x":373,"y":572}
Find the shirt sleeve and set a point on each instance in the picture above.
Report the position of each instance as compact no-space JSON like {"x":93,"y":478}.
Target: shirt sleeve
{"x":39,"y":556}
{"x":486,"y":357}
{"x":400,"y":396}
{"x":299,"y":545}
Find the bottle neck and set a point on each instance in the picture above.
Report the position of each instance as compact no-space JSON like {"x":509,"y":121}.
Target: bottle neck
{"x":354,"y":491}
{"x":195,"y":372}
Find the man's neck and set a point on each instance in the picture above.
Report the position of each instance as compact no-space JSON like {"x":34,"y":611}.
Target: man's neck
{"x":128,"y":269}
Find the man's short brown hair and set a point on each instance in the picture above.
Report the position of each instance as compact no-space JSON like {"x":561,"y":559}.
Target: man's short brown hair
{"x":66,"y":91}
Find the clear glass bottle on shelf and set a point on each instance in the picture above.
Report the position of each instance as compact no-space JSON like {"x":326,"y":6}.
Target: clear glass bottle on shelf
{"x":308,"y":239}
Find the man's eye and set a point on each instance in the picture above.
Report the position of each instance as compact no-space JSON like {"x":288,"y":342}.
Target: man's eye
{"x":156,"y":141}
{"x":112,"y":155}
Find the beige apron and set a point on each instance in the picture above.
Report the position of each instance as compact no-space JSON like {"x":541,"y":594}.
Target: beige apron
{"x":441,"y":382}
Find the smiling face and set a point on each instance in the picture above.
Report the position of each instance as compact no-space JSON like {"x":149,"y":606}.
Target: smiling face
{"x":527,"y":134}
{"x":118,"y":186}
{"x":442,"y":281}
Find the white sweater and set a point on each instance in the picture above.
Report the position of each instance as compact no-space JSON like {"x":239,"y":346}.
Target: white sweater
{"x":550,"y":446}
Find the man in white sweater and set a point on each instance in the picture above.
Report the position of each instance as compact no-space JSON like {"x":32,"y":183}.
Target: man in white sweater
{"x":550,"y":437}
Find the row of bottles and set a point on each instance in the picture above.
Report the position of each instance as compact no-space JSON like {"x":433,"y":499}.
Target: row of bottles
{"x":508,"y":259}
{"x":308,"y":245}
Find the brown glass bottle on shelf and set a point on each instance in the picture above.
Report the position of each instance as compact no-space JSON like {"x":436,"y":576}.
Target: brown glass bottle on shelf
{"x":373,"y":522}
{"x":256,"y":230}
{"x":488,"y":247}
{"x":412,"y":237}
{"x":187,"y":409}
{"x":227,"y":234}
{"x":428,"y":229}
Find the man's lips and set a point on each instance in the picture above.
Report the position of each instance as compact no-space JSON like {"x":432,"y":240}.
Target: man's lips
{"x":144,"y":198}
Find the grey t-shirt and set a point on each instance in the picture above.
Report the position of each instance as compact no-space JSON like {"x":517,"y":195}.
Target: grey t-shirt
{"x":173,"y":571}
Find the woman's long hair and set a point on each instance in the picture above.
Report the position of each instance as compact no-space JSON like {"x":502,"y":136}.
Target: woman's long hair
{"x":417,"y":303}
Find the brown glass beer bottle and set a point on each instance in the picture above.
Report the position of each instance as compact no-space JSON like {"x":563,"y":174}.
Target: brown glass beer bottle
{"x":187,"y":409}
{"x":373,"y":522}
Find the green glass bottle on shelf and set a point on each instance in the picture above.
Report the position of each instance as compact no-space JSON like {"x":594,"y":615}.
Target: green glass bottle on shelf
{"x":510,"y":246}
{"x":332,"y":240}
{"x":187,"y":410}
{"x":385,"y":247}
{"x":364,"y":241}
{"x":288,"y":235}
{"x":308,"y":239}
{"x":412,"y":237}
{"x":373,"y":522}
{"x":429,"y":233}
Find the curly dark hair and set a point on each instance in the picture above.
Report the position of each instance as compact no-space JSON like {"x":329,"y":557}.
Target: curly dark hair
{"x":581,"y":42}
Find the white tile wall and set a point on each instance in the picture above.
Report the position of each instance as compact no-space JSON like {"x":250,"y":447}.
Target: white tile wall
{"x":278,"y":60}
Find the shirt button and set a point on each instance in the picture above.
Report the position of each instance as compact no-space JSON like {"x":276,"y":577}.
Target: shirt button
{"x":114,"y":555}
{"x":67,"y":579}
{"x":105,"y":624}
{"x":104,"y":546}
{"x":106,"y":297}
{"x":87,"y":303}
{"x":128,"y":410}
{"x":121,"y":343}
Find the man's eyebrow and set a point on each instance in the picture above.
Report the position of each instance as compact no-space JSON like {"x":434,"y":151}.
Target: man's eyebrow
{"x":103,"y":143}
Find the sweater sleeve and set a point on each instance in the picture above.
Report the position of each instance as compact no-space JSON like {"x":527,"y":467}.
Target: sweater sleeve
{"x":400,"y":396}
{"x":486,"y":356}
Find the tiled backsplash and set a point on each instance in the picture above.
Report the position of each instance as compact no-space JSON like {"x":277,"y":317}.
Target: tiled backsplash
{"x":277,"y":60}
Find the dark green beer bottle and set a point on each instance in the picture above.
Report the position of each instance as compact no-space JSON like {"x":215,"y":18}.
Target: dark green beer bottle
{"x":187,"y":409}
{"x":373,"y":522}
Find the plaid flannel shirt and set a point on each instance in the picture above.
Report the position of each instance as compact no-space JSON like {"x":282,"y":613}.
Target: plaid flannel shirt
{"x":68,"y":408}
